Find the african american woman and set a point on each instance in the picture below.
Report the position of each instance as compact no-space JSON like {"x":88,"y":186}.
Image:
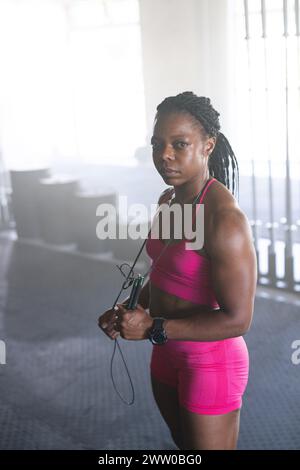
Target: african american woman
{"x":200,"y":302}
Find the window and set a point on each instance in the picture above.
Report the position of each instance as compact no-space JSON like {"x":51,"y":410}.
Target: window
{"x":71,"y":83}
{"x":267,"y":86}
{"x":261,"y":76}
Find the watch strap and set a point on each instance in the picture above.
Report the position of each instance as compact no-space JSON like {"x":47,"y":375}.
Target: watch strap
{"x":158,"y":323}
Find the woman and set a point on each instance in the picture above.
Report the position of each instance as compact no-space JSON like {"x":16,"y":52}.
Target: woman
{"x":205,"y":296}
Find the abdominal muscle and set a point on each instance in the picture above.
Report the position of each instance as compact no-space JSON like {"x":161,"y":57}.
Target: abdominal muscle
{"x":163,"y":304}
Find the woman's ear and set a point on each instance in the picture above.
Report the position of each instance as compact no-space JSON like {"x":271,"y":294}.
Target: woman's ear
{"x":210,"y":145}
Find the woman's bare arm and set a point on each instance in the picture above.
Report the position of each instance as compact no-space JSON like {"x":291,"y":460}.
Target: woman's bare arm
{"x":233,"y":270}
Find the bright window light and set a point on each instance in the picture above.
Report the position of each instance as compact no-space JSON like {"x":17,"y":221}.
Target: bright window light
{"x":71,"y":82}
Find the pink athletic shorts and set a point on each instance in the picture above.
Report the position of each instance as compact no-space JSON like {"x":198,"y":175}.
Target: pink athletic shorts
{"x":210,"y":377}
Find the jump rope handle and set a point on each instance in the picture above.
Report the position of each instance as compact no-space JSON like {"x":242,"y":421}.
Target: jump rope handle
{"x":135,"y":292}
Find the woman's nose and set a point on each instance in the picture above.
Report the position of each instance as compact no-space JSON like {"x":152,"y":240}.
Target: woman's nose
{"x":167,"y":152}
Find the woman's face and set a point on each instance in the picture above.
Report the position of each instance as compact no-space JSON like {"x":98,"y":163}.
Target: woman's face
{"x":179,"y":149}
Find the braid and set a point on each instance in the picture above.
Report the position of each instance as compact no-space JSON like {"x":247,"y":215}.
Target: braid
{"x":200,"y":108}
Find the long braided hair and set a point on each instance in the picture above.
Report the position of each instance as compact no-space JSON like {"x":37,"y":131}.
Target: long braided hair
{"x":222,"y":156}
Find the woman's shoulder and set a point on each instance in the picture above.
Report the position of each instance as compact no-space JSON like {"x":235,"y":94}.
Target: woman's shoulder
{"x":222,"y":209}
{"x":219,"y":198}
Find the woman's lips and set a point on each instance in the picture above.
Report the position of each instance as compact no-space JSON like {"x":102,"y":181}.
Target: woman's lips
{"x":169,"y":172}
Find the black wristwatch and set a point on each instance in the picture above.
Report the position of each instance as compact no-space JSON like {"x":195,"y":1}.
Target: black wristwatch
{"x":157,"y":334}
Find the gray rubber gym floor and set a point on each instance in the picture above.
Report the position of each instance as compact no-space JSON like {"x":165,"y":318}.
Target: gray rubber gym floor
{"x":55,"y":388}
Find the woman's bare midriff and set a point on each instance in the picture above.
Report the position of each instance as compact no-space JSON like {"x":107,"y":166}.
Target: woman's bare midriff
{"x":169,"y":306}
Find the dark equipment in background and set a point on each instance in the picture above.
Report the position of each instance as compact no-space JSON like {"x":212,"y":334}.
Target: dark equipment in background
{"x":25,"y":200}
{"x":57,"y":194}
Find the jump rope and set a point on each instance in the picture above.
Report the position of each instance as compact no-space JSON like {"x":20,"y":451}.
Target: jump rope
{"x":137,"y":284}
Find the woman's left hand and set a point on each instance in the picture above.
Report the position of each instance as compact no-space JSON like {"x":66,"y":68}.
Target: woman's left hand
{"x":133,"y":324}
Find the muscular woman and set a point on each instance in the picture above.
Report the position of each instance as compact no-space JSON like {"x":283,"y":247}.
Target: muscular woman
{"x":205,"y":296}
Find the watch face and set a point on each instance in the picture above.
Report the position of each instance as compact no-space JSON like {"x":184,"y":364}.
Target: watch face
{"x":158,"y":337}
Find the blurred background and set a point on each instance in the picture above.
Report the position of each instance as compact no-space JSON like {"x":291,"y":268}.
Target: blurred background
{"x":79,"y":84}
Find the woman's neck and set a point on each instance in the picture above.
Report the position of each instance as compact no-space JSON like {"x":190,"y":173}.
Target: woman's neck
{"x":186,"y":195}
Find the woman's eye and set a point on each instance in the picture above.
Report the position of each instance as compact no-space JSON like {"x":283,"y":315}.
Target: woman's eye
{"x":181,"y":145}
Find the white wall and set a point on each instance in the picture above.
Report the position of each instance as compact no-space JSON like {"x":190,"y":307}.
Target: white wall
{"x":187,"y":46}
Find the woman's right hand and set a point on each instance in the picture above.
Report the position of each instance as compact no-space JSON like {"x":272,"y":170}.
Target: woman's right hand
{"x":106,"y":322}
{"x":108,"y":319}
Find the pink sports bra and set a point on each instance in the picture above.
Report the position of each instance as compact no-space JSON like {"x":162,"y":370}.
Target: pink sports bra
{"x":181,"y":272}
